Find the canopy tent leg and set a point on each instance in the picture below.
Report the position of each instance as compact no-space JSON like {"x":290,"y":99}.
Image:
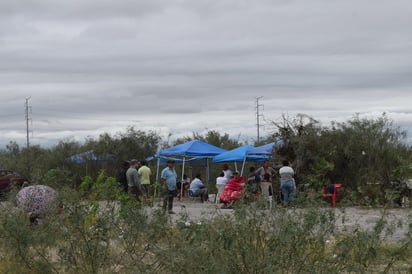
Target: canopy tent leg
{"x":208,"y":175}
{"x":243,"y":166}
{"x":181,"y":182}
{"x":157,"y":177}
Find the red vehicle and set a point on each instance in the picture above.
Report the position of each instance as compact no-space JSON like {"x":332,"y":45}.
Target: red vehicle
{"x":9,"y":178}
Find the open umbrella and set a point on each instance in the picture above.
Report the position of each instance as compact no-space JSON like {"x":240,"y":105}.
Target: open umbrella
{"x":37,"y":200}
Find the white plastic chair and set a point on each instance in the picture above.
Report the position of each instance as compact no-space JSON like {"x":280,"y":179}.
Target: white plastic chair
{"x":220,"y":189}
{"x":264,"y":187}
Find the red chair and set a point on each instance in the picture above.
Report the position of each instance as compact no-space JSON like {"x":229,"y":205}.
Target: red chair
{"x":333,"y":195}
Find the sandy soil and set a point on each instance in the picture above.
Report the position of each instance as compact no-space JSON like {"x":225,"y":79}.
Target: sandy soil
{"x":347,"y":219}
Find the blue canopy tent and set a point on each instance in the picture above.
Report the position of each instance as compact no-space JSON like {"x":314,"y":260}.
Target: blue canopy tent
{"x":196,"y":161}
{"x":194,"y":148}
{"x":163,"y":160}
{"x":238,"y":155}
{"x":89,"y":157}
{"x":264,"y":150}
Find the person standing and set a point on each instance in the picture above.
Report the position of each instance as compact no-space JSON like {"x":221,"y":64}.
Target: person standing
{"x":121,"y":176}
{"x":145,"y":173}
{"x":266,"y":188}
{"x":168,"y":178}
{"x":287,"y":183}
{"x":133,"y":180}
{"x":226,"y":170}
{"x":266,"y":169}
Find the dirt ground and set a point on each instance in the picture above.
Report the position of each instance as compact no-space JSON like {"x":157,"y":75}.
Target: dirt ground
{"x":347,"y":219}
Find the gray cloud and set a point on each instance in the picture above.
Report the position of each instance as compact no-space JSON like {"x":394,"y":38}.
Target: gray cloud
{"x":181,"y":66}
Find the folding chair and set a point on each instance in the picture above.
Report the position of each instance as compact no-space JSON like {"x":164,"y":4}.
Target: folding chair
{"x":332,"y":195}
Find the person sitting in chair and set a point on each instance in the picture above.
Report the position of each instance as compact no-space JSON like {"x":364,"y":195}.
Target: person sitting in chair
{"x":233,"y":190}
{"x":198,"y":189}
{"x":185,"y":183}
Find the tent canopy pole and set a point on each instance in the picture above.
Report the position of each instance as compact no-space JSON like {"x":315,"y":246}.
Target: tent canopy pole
{"x":183,"y":174}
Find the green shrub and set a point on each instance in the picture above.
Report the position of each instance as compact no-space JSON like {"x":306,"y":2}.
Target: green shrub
{"x":123,"y":236}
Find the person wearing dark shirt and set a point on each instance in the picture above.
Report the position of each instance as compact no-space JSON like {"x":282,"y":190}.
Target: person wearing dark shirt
{"x":121,"y":176}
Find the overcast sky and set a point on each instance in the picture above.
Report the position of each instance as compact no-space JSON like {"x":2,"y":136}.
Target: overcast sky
{"x":179,"y":66}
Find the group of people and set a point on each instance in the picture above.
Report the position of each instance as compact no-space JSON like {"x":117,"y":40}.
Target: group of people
{"x":134,"y":178}
{"x":168,"y":178}
{"x":231,"y":186}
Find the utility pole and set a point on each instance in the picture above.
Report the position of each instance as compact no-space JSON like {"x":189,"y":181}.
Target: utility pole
{"x":28,"y":112}
{"x":258,"y":115}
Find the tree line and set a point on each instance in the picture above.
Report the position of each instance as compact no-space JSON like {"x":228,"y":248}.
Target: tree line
{"x":370,"y":157}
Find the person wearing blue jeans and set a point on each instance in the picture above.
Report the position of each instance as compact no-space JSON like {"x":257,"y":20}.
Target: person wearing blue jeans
{"x":287,"y":183}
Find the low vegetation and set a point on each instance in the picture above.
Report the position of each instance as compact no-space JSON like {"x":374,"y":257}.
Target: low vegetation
{"x":119,"y":235}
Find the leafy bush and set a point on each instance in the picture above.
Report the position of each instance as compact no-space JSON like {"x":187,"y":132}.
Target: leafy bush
{"x":91,"y":236}
{"x":366,"y":155}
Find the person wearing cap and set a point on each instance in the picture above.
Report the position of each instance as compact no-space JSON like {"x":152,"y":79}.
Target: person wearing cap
{"x":133,"y":180}
{"x":168,"y":179}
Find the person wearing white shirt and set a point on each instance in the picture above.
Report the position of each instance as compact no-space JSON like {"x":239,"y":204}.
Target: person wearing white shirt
{"x":226,"y":170}
{"x":221,"y":180}
{"x":198,"y":188}
{"x":287,"y":183}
